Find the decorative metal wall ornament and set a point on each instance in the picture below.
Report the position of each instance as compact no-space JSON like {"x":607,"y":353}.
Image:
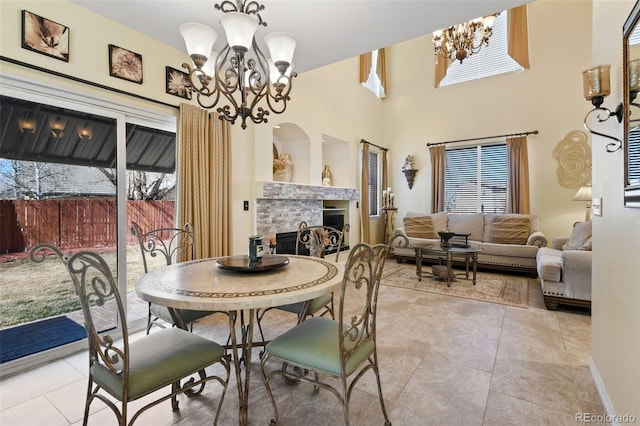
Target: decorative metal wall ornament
{"x":409,"y":170}
{"x":241,"y":73}
{"x":573,"y":155}
{"x":458,"y":41}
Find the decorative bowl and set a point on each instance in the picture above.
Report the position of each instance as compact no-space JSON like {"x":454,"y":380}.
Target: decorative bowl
{"x":445,"y":236}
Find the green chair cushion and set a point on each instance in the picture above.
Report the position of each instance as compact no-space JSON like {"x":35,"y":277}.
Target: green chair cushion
{"x":159,"y":359}
{"x":315,"y":305}
{"x":314,"y":344}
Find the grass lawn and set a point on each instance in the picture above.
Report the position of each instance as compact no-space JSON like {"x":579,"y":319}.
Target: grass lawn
{"x":29,"y":292}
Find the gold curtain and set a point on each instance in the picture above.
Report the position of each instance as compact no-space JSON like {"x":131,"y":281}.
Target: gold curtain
{"x":365,"y":66}
{"x":438,"y":165}
{"x":364,"y":194}
{"x":517,"y":175}
{"x":518,"y":35}
{"x":204,"y":180}
{"x":442,"y":65}
{"x":381,"y":69}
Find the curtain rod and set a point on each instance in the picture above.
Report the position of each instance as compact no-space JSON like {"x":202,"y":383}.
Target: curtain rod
{"x":81,"y":80}
{"x":373,"y":144}
{"x":534,"y":132}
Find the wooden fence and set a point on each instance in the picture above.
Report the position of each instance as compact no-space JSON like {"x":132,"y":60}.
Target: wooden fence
{"x":76,"y":223}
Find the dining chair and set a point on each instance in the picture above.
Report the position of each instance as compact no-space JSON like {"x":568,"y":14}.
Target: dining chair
{"x":128,"y":369}
{"x":315,"y":241}
{"x":168,"y":245}
{"x":341,"y":348}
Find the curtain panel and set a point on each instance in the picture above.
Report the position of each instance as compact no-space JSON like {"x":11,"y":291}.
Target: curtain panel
{"x":438,"y":155}
{"x":517,"y":175}
{"x":365,"y":66}
{"x":364,"y":195}
{"x":204,"y":180}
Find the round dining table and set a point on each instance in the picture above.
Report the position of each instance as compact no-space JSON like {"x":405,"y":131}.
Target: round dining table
{"x":223,"y":284}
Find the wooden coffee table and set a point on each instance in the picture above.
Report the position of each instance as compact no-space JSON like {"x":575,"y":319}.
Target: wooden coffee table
{"x":446,"y":254}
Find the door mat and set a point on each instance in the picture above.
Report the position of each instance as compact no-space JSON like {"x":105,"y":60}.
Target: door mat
{"x":28,"y":339}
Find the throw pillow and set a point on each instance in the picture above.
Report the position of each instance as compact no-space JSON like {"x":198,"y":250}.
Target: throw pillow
{"x":580,"y":237}
{"x":510,"y":230}
{"x":419,"y":227}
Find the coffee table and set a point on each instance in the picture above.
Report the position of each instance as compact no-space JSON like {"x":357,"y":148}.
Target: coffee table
{"x":446,"y":254}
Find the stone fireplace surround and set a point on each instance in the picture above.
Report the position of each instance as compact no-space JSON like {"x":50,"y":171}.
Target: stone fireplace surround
{"x":281,"y":206}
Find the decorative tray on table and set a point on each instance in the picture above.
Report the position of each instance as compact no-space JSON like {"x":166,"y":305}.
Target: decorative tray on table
{"x":242,"y":264}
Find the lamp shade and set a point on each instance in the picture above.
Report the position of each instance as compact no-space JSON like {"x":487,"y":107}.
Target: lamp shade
{"x":634,"y":75}
{"x":281,"y":47}
{"x":596,"y":81}
{"x":198,"y":38}
{"x":583,"y":194}
{"x":239,"y":28}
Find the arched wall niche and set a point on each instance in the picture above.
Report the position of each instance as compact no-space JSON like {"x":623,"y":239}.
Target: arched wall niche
{"x":335,"y":154}
{"x":290,"y":139}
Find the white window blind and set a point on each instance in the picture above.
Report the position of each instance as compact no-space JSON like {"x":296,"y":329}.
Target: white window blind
{"x":476,"y":179}
{"x":634,"y":156}
{"x":491,"y":60}
{"x":373,"y":183}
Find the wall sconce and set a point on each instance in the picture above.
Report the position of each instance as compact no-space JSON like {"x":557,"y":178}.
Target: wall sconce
{"x":597,"y":86}
{"x":56,"y":125}
{"x":85,"y":133}
{"x":27,"y":125}
{"x":409,"y":170}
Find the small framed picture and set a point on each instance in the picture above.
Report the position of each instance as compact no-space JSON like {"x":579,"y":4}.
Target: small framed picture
{"x":178,"y":83}
{"x":45,"y":36}
{"x":125,"y":64}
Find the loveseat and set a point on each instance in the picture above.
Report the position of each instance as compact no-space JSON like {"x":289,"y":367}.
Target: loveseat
{"x":508,"y":241}
{"x":565,"y":269}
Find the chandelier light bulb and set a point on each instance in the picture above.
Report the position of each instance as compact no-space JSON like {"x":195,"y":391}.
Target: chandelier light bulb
{"x":239,"y":28}
{"x":199,"y":40}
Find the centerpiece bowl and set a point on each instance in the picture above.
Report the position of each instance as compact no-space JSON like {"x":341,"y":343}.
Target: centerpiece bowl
{"x":445,"y":236}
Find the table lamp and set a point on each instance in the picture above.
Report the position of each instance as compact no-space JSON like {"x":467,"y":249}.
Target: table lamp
{"x":584,"y":194}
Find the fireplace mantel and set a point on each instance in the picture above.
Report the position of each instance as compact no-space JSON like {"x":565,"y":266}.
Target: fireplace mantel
{"x":298,"y":191}
{"x":281,"y":206}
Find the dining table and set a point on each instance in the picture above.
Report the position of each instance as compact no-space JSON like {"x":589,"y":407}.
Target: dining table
{"x":239,"y":287}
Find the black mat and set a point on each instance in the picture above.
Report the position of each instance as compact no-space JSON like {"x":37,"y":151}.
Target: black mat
{"x":27,"y":339}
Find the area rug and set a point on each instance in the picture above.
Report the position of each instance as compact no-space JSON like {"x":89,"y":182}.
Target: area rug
{"x":491,"y":287}
{"x":27,"y":339}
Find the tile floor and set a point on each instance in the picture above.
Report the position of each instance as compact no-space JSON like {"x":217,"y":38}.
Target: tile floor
{"x":444,"y":361}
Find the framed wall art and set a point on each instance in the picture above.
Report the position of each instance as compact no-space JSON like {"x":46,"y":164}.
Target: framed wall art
{"x":177,"y":83}
{"x":44,"y":36}
{"x":125,"y":64}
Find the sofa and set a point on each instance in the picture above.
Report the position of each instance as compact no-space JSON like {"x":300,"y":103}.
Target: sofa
{"x":508,"y":241}
{"x":565,"y":269}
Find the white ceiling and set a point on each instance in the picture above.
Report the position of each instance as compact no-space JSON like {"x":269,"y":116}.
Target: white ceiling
{"x":327,"y":31}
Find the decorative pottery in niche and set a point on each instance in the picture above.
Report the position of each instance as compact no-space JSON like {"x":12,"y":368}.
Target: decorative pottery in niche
{"x":327,"y":176}
{"x":283,"y":168}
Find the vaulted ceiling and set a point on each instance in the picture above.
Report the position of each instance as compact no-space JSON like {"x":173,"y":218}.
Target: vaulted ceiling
{"x":327,"y":31}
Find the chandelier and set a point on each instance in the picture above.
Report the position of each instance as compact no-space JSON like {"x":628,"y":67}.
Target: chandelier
{"x":240,"y":74}
{"x":459,"y":42}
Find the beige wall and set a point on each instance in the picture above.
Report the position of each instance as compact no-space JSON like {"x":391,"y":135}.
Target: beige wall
{"x":616,"y":239}
{"x":329,"y":101}
{"x":548,"y":98}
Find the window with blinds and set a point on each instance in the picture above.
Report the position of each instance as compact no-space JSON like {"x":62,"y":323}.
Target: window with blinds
{"x":373,"y":183}
{"x":633,"y":149}
{"x":476,"y":179}
{"x":493,"y":59}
